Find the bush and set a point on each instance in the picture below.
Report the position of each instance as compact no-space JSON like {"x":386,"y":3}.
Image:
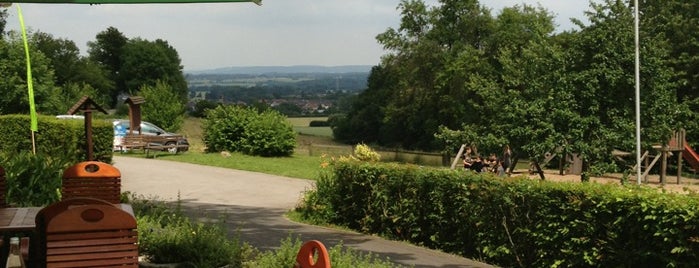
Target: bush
{"x":510,"y":222}
{"x":56,"y":137}
{"x":340,"y":257}
{"x":33,"y":180}
{"x":239,"y":129}
{"x":166,"y":235}
{"x":163,"y":107}
{"x":318,"y":123}
{"x":363,"y":152}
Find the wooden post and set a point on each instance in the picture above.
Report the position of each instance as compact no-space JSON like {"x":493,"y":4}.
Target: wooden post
{"x":87,"y":105}
{"x":663,"y":165}
{"x":679,"y":166}
{"x":458,"y":156}
{"x":88,"y":133}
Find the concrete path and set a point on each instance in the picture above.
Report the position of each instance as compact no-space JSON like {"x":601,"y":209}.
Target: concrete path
{"x":255,"y":204}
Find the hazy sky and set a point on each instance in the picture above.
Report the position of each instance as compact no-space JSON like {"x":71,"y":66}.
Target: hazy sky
{"x":280,"y":32}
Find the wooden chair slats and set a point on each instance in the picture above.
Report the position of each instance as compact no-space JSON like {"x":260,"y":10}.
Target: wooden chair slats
{"x":83,"y":236}
{"x":60,"y":250}
{"x":92,"y":179}
{"x":115,"y":256}
{"x":93,"y":264}
{"x":86,"y":232}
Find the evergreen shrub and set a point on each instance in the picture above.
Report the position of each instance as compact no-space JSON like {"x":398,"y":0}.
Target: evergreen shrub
{"x":56,"y":137}
{"x":510,"y":222}
{"x":245,"y":130}
{"x":33,"y":180}
{"x":318,"y":123}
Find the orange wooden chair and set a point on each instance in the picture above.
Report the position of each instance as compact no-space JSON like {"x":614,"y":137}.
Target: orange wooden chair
{"x":86,"y":232}
{"x":92,"y":179}
{"x":312,"y":255}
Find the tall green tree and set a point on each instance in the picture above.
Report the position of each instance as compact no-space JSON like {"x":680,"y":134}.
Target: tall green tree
{"x":426,"y":53}
{"x":3,"y":21}
{"x":678,"y":21}
{"x":73,"y":72}
{"x":163,"y":106}
{"x":144,"y":62}
{"x":13,"y":70}
{"x":602,"y":76}
{"x":363,"y":123}
{"x":107,"y":51}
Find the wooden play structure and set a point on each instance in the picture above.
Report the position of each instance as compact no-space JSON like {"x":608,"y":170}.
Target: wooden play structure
{"x":676,"y":145}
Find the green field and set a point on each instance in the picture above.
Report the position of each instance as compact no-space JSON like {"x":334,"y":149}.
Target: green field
{"x":304,"y":121}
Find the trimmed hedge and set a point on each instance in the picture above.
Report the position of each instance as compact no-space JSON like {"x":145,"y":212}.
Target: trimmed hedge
{"x":56,"y":137}
{"x":511,"y":222}
{"x":318,"y":123}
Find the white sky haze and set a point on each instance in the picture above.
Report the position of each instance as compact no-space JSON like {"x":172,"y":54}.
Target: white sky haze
{"x":278,"y":33}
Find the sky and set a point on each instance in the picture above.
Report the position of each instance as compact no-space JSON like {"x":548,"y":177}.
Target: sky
{"x":278,"y":33}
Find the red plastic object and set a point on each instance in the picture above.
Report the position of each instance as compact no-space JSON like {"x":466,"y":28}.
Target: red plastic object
{"x":307,"y":254}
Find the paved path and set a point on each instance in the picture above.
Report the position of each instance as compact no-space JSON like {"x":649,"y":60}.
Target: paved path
{"x":255,"y":204}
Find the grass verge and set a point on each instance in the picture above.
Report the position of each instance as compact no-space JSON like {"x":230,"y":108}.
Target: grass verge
{"x":297,"y":166}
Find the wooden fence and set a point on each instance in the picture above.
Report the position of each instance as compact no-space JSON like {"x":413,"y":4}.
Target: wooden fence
{"x":401,"y":156}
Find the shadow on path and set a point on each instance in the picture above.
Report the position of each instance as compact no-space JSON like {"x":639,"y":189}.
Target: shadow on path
{"x":264,"y":228}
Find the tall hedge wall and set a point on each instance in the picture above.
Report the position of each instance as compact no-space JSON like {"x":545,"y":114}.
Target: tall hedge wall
{"x":512,"y":222}
{"x":56,"y":137}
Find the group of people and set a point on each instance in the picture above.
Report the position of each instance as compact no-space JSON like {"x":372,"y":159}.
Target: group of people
{"x":491,"y":164}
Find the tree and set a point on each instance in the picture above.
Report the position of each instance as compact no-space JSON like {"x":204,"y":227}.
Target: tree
{"x":144,"y":62}
{"x":63,"y":54}
{"x":601,"y":68}
{"x":201,"y":106}
{"x":107,"y":52}
{"x":70,"y":93}
{"x":13,"y":69}
{"x":162,"y":106}
{"x":72,"y":70}
{"x":288,"y":109}
{"x":363,"y":123}
{"x":3,"y":21}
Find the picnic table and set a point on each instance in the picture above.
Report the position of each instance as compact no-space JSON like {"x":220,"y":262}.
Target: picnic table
{"x":18,"y":219}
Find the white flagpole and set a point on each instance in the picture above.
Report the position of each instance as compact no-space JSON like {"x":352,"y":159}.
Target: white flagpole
{"x":638,"y":94}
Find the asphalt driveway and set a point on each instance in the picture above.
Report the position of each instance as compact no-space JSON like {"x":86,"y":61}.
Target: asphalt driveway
{"x":255,"y":204}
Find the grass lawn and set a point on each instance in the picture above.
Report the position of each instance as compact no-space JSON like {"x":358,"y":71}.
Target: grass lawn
{"x":297,"y":166}
{"x":303,"y":167}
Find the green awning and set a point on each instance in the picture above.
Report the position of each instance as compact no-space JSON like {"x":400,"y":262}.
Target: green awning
{"x":97,"y":2}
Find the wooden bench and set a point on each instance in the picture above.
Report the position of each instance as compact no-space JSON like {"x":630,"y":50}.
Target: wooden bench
{"x":149,"y":143}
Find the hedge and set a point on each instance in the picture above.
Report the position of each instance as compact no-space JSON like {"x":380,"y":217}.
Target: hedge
{"x":511,"y":222}
{"x":56,"y":137}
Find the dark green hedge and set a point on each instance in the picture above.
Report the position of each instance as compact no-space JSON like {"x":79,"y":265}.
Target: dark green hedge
{"x":56,"y":137}
{"x":511,"y":222}
{"x":318,"y":123}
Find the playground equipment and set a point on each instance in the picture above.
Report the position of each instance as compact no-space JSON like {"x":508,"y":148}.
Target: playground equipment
{"x":677,"y":145}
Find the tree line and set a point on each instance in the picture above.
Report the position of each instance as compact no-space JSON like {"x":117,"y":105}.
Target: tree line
{"x":455,"y":73}
{"x":115,"y":66}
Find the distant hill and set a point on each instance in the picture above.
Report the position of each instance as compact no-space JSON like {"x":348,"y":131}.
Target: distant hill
{"x":297,"y":69}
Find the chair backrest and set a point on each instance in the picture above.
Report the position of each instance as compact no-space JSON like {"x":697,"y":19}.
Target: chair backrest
{"x":84,"y":232}
{"x":312,"y":255}
{"x":92,"y":179}
{"x":3,"y":189}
